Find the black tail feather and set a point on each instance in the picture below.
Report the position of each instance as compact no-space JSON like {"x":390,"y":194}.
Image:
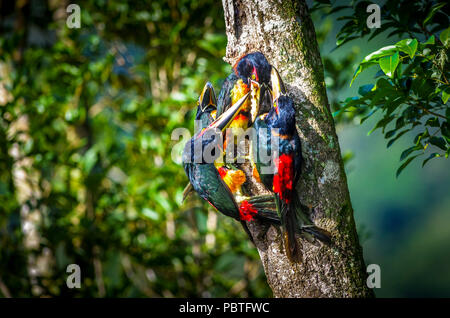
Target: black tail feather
{"x":289,"y":220}
{"x":320,"y":234}
{"x":268,"y":216}
{"x":306,"y":225}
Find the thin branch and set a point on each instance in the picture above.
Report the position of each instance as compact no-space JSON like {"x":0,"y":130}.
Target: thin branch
{"x":427,"y":110}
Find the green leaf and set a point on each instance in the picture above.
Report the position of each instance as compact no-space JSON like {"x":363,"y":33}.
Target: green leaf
{"x":400,"y":122}
{"x":392,"y":105}
{"x":445,"y":96}
{"x":430,"y":40}
{"x":421,"y":136}
{"x":384,"y":51}
{"x":362,"y":67}
{"x":408,"y":46}
{"x":390,"y":133}
{"x":352,"y":102}
{"x":433,"y":155}
{"x":432,"y":122}
{"x":342,"y":41}
{"x":433,"y":11}
{"x":382,"y":123}
{"x":363,"y":90}
{"x":391,"y":142}
{"x":445,"y":130}
{"x":368,"y":115}
{"x":403,"y":166}
{"x":445,"y":37}
{"x":389,"y":63}
{"x":372,"y":58}
{"x":438,"y":142}
{"x":336,"y":113}
{"x":408,"y":151}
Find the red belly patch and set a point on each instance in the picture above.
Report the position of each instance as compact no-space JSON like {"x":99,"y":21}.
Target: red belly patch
{"x":247,"y":211}
{"x":283,"y":179}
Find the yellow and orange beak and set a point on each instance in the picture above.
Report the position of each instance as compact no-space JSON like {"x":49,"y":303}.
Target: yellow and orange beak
{"x":255,"y":91}
{"x":278,"y":87}
{"x":224,"y":120}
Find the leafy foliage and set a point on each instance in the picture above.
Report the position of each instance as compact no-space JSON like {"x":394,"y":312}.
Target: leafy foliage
{"x":412,"y":87}
{"x":86,"y":174}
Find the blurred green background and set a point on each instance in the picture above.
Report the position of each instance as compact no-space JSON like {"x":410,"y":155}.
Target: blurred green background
{"x":87,"y":176}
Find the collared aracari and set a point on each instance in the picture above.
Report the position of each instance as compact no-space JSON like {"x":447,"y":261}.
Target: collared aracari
{"x":206,"y":178}
{"x":206,"y":114}
{"x":251,"y":74}
{"x":280,"y":174}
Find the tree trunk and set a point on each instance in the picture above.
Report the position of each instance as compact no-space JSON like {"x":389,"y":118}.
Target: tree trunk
{"x":284,"y":33}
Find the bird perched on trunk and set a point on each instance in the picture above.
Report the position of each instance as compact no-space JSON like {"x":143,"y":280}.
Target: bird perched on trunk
{"x":206,"y":179}
{"x":206,"y":114}
{"x":251,"y":74}
{"x":280,"y":174}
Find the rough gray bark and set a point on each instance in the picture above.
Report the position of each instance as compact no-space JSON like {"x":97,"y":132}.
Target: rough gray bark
{"x":284,"y":33}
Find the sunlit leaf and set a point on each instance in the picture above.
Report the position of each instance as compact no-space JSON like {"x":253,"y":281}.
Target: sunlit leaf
{"x":430,"y":40}
{"x":408,"y":46}
{"x":445,"y":36}
{"x":445,"y":95}
{"x":389,"y":63}
{"x":385,"y":51}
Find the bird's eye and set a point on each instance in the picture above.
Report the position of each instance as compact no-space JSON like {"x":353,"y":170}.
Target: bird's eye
{"x":253,"y":76}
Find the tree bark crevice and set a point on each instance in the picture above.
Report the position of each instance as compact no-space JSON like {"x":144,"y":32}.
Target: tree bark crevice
{"x":283,"y":31}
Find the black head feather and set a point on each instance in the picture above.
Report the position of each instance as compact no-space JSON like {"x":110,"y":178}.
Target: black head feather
{"x":253,"y":63}
{"x":282,"y":116}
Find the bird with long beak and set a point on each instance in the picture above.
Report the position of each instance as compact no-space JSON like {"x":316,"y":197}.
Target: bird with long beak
{"x":281,"y":174}
{"x":206,"y":179}
{"x":206,"y":114}
{"x":251,"y":74}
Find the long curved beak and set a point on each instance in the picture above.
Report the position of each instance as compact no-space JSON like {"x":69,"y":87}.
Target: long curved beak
{"x":227,"y":117}
{"x":278,"y":88}
{"x":207,"y":97}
